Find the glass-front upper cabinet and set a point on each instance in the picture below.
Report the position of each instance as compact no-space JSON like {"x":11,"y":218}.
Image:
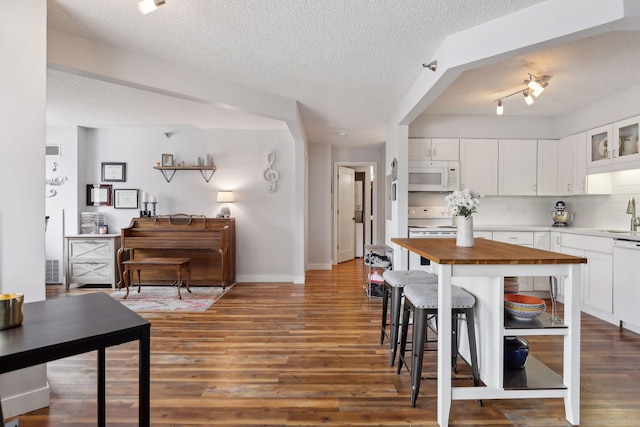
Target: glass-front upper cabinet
{"x":599,"y":146}
{"x":625,"y":135}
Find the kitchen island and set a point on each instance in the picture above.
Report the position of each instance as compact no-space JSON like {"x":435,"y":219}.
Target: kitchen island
{"x":480,"y":270}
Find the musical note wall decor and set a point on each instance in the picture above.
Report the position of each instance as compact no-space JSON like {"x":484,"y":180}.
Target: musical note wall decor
{"x":270,"y":175}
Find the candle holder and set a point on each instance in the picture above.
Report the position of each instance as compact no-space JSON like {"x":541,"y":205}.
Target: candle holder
{"x":153,"y":208}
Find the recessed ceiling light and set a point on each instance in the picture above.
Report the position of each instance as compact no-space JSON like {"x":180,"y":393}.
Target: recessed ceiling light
{"x":341,"y":133}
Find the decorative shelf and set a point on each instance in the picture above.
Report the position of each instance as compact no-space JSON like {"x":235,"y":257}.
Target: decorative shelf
{"x":540,"y":322}
{"x":169,"y":171}
{"x":534,"y":376}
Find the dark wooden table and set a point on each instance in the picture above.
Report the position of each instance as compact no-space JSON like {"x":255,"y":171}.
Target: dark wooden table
{"x":68,"y":326}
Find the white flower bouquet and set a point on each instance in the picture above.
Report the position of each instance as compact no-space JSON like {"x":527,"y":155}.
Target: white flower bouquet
{"x":463,"y":203}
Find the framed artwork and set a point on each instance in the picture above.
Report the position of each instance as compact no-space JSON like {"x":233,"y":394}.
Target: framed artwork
{"x":102,"y":193}
{"x":114,"y":172}
{"x":125,"y":199}
{"x":167,"y":160}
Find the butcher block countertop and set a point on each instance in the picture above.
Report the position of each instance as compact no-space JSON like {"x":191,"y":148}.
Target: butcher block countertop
{"x":445,"y":251}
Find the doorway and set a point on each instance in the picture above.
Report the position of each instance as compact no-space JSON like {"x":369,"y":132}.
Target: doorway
{"x":364,"y":220}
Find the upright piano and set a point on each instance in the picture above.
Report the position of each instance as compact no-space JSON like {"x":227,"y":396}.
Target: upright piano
{"x":209,"y":242}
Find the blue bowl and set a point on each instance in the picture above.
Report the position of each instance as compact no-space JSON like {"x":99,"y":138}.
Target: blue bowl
{"x":516,"y":350}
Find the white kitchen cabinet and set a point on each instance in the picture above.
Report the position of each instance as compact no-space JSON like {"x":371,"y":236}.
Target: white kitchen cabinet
{"x":625,"y":135}
{"x":91,"y":259}
{"x":517,"y":171}
{"x":479,"y":165}
{"x":555,"y":245}
{"x":598,"y":289}
{"x":538,"y":240}
{"x":626,"y":292}
{"x":599,"y":147}
{"x":521,"y":238}
{"x":613,"y":147}
{"x":547,"y":174}
{"x":541,"y":240}
{"x":597,"y":284}
{"x":432,"y":149}
{"x":483,"y":235}
{"x":573,"y":252}
{"x":572,"y":165}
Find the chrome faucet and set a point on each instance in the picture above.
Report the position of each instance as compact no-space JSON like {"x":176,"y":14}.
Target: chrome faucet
{"x":631,"y":209}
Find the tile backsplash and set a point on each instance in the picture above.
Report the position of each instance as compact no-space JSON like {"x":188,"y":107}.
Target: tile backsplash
{"x":594,"y":211}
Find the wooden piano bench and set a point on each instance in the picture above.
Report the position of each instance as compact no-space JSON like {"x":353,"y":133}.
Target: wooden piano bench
{"x":178,"y":264}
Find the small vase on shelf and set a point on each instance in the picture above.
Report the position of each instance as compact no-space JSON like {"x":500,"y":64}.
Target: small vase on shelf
{"x":464,"y":235}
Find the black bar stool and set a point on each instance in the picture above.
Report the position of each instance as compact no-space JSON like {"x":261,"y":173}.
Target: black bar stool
{"x":423,"y":302}
{"x":394,"y":282}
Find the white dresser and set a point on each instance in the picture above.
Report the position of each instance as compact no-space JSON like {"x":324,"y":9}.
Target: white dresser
{"x":91,"y":259}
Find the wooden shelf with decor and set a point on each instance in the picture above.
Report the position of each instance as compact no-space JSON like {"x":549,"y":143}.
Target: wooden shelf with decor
{"x":169,"y":171}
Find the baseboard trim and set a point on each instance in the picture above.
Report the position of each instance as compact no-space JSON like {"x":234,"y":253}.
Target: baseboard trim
{"x":322,"y":266}
{"x":26,"y":402}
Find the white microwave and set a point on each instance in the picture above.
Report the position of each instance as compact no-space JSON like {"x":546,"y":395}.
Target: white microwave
{"x":434,"y":176}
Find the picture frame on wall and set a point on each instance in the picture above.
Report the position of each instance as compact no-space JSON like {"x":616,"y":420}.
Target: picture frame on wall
{"x":167,"y":160}
{"x":103,"y":194}
{"x":114,"y":172}
{"x":125,"y":198}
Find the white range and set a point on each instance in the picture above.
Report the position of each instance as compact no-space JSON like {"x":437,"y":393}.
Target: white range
{"x":428,"y":222}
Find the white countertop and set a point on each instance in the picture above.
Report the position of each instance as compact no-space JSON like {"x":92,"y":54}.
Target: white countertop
{"x":600,"y":232}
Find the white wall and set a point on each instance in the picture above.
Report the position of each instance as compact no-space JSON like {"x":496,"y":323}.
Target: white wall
{"x":369,"y":154}
{"x":61,"y":191}
{"x":264,"y":221}
{"x":617,"y":106}
{"x":450,"y":126}
{"x":322,"y":158}
{"x":320,"y":207}
{"x":22,"y":212}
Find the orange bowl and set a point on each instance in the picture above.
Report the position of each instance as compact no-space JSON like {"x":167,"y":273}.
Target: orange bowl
{"x":524,"y":307}
{"x":523,"y":299}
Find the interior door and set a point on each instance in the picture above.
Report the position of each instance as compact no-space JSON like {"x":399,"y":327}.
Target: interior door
{"x":346,"y":218}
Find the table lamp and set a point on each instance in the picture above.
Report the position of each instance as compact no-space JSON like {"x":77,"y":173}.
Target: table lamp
{"x":225,"y":197}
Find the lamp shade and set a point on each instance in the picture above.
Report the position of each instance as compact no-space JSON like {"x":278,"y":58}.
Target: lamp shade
{"x":148,"y":6}
{"x":225,"y":197}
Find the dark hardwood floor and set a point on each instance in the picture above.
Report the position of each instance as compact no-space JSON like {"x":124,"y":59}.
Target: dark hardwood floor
{"x":306,"y":355}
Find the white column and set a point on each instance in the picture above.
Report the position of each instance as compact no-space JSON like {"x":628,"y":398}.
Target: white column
{"x":23,"y":57}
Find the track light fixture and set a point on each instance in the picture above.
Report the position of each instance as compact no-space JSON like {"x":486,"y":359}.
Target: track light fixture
{"x":433,"y":65}
{"x":148,"y":6}
{"x":535,"y":86}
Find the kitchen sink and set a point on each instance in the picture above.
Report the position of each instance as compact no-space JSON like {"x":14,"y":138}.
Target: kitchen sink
{"x":615,"y":231}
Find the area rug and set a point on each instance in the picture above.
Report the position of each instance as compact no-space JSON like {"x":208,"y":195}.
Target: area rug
{"x":165,"y":298}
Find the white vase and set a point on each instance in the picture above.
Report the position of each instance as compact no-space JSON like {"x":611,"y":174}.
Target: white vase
{"x":464,"y":235}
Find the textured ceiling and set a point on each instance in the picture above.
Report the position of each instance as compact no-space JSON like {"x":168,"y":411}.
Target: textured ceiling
{"x":347,"y":62}
{"x":581,"y":72}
